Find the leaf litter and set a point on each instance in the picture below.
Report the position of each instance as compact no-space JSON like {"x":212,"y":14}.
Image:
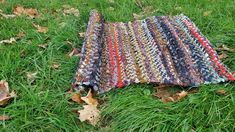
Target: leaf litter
{"x":40,"y":29}
{"x":20,"y":10}
{"x":90,"y":112}
{"x":168,"y":94}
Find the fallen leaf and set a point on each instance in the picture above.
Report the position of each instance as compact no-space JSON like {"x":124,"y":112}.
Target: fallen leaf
{"x":20,"y":35}
{"x":44,"y":46}
{"x":225,"y":48}
{"x":207,"y":13}
{"x":7,"y":15}
{"x":76,"y":97}
{"x":89,"y":113}
{"x":223,"y":56}
{"x":19,"y":10}
{"x":40,"y":29}
{"x":2,"y":1}
{"x":8,"y":41}
{"x":221,"y":92}
{"x":55,"y":66}
{"x":139,"y":3}
{"x":89,"y":99}
{"x":70,"y":11}
{"x":4,"y":117}
{"x":5,"y":94}
{"x":166,"y":95}
{"x":74,"y":52}
{"x":146,"y":10}
{"x":31,"y":76}
{"x":82,"y":35}
{"x":181,"y":95}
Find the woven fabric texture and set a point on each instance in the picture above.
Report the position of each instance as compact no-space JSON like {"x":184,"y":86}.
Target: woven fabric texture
{"x":159,"y":49}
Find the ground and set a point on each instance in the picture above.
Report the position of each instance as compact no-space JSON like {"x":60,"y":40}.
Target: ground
{"x":43,"y":104}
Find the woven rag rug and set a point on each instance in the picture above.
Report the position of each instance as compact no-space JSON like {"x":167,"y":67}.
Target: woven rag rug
{"x":159,"y":49}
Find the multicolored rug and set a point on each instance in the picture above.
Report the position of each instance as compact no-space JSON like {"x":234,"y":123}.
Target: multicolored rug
{"x":158,"y":49}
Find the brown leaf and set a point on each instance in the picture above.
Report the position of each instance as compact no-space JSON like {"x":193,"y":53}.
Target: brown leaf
{"x":8,"y":41}
{"x":223,"y":56}
{"x":4,"y":117}
{"x":44,"y":46}
{"x":20,"y":35}
{"x":70,"y":11}
{"x":19,"y":10}
{"x":89,"y":99}
{"x":225,"y":48}
{"x":82,"y":35}
{"x":181,"y":95}
{"x":40,"y":29}
{"x":76,"y":97}
{"x":221,"y":92}
{"x":5,"y":94}
{"x":74,"y":52}
{"x":55,"y":66}
{"x":2,"y":1}
{"x":89,"y":113}
{"x":31,"y":76}
{"x":166,"y":95}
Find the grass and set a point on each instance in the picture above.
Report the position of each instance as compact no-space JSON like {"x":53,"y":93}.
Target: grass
{"x":43,"y":105}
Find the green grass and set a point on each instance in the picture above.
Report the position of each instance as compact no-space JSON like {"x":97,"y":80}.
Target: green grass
{"x":44,"y":106}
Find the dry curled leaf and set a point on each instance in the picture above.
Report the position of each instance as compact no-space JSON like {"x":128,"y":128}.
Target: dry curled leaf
{"x":76,"y":97}
{"x":89,"y":113}
{"x":20,"y":35}
{"x":31,"y":76}
{"x":221,"y":92}
{"x":6,"y":15}
{"x":19,"y":10}
{"x":55,"y":66}
{"x":181,"y":95}
{"x":223,"y":56}
{"x":89,"y":99}
{"x":70,"y":11}
{"x":4,"y":117}
{"x":166,"y":95}
{"x":2,"y":1}
{"x":5,"y":94}
{"x":44,"y":46}
{"x":40,"y":29}
{"x":225,"y":48}
{"x":8,"y":41}
{"x":74,"y":52}
{"x":82,"y":35}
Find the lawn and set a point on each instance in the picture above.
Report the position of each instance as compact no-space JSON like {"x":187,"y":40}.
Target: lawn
{"x":43,"y":105}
